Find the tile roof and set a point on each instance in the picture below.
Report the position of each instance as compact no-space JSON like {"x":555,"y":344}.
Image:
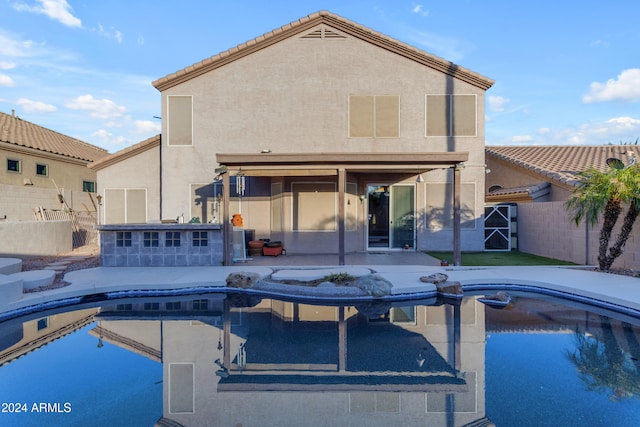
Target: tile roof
{"x":529,"y":192}
{"x":125,"y":153}
{"x":14,"y":130}
{"x":562,"y":163}
{"x":335,"y":21}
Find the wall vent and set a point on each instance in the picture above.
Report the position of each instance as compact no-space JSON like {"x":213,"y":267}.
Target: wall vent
{"x":324,"y":33}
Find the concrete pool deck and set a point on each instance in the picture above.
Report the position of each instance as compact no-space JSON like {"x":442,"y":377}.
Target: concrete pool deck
{"x":618,"y":290}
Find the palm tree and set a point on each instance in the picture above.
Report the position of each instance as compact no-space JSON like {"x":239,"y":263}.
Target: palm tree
{"x":602,"y":365}
{"x":604,"y":194}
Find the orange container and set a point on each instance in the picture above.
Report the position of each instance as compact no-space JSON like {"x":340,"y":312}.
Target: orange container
{"x":236,"y":220}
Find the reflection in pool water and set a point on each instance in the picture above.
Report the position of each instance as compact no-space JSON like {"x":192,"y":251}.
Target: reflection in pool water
{"x":213,"y":360}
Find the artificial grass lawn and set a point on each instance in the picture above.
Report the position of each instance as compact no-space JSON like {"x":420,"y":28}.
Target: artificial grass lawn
{"x":499,"y":258}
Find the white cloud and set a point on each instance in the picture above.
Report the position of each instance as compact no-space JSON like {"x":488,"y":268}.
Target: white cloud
{"x":58,"y":10}
{"x":112,"y":33}
{"x":497,"y":103}
{"x":626,"y":87}
{"x":107,"y":139}
{"x":6,"y":81}
{"x":518,"y":139}
{"x":13,"y":48}
{"x":615,"y":130}
{"x":30,"y":106}
{"x":146,"y":127}
{"x":419,"y":10}
{"x":103,"y":109}
{"x":6,"y":65}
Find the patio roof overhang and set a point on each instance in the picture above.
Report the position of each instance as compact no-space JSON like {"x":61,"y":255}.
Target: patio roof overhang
{"x":323,"y":164}
{"x":288,"y":164}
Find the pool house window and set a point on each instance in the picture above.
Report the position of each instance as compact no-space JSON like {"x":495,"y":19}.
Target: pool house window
{"x":123,"y":239}
{"x":172,"y":239}
{"x":151,"y":239}
{"x":200,"y":304}
{"x":200,"y":238}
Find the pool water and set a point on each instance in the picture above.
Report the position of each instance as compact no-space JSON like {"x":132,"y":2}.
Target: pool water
{"x":209,"y":360}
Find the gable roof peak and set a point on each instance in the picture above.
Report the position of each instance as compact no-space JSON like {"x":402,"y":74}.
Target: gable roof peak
{"x":331,"y":19}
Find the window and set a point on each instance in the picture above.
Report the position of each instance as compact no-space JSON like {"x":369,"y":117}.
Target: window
{"x":88,"y":186}
{"x":172,"y":239}
{"x":200,"y":238}
{"x":180,"y":123}
{"x":200,"y":304}
{"x":173,"y":305}
{"x":43,"y":323}
{"x":14,"y":165}
{"x":123,"y":239}
{"x":374,"y":116}
{"x":124,"y":307}
{"x":42,"y":170}
{"x":152,"y":306}
{"x":451,"y":115}
{"x":151,"y":239}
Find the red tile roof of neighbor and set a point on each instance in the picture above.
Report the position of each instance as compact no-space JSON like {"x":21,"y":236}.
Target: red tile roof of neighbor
{"x":562,"y":163}
{"x":14,"y":130}
{"x":332,"y":20}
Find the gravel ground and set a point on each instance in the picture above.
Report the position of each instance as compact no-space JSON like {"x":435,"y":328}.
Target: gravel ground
{"x":91,"y":252}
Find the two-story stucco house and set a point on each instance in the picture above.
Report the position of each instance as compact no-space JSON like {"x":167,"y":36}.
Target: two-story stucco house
{"x":324,"y":135}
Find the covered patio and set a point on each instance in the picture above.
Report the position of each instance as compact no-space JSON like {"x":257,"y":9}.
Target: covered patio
{"x":338,"y":166}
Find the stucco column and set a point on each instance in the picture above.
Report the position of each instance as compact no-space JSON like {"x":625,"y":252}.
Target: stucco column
{"x":457,"y":257}
{"x":342,"y":183}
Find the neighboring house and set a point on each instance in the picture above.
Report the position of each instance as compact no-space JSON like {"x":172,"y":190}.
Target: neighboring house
{"x":38,"y":164}
{"x":324,"y":135}
{"x":546,"y":175}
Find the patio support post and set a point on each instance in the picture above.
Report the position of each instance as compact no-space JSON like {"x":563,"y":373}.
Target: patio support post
{"x":342,"y":178}
{"x":342,"y":341}
{"x":457,"y":257}
{"x":226,"y":223}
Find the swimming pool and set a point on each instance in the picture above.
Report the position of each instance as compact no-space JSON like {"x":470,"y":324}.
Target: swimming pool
{"x":218,"y":359}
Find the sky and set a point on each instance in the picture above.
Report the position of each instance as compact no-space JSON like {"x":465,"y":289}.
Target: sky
{"x":566,"y":72}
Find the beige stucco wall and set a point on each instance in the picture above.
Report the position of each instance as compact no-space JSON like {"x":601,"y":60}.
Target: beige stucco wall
{"x":544,"y":229}
{"x":65,"y":173}
{"x":293,"y":97}
{"x":141,"y":171}
{"x":35,"y":238}
{"x":18,"y":202}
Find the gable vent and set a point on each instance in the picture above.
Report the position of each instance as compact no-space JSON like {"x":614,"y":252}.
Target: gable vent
{"x":324,"y":33}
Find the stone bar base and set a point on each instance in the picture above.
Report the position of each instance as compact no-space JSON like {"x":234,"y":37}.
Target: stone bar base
{"x":160,"y":245}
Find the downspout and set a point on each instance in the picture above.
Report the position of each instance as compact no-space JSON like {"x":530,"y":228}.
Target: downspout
{"x":161,"y":216}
